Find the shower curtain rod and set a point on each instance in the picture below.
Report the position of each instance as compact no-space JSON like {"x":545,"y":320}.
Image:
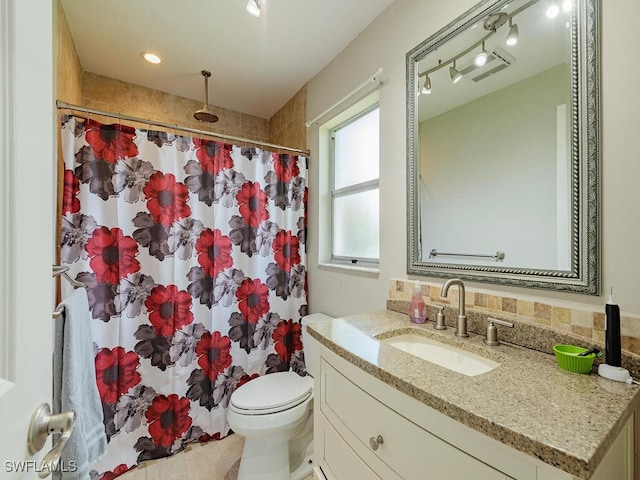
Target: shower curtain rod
{"x":78,"y":108}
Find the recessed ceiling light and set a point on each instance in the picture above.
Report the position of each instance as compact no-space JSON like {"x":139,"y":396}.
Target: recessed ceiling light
{"x":151,"y":57}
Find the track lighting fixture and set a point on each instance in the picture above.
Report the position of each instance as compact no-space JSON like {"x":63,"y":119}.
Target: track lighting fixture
{"x":455,"y":74}
{"x":253,"y":7}
{"x":491,"y":24}
{"x":481,"y":58}
{"x":513,"y":35}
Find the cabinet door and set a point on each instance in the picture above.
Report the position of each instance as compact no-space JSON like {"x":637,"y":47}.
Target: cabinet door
{"x":339,"y":461}
{"x":413,"y":453}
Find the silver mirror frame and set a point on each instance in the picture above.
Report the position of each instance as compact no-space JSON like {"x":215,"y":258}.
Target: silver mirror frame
{"x":584,"y":276}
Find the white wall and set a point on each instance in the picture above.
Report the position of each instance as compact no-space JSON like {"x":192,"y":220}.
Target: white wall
{"x":385,"y":44}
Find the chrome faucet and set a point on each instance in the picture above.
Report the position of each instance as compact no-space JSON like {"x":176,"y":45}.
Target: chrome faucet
{"x":461,"y":329}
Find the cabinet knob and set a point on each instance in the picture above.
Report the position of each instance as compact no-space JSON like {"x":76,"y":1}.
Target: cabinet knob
{"x":375,"y":442}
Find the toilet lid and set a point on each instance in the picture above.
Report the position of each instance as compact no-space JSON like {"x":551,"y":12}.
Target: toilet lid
{"x":273,"y":392}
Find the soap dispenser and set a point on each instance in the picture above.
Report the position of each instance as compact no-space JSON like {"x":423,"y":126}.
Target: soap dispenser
{"x":417,"y":308}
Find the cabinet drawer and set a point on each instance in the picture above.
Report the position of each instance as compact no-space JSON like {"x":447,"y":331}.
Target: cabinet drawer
{"x":412,"y":452}
{"x":339,"y":460}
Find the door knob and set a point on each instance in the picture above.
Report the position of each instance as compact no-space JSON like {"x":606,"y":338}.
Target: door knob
{"x":43,"y":424}
{"x":375,"y":442}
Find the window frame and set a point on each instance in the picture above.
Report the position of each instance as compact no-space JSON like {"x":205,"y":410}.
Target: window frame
{"x":356,"y":188}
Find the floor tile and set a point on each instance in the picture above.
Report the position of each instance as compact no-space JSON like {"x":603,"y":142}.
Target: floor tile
{"x":215,"y":460}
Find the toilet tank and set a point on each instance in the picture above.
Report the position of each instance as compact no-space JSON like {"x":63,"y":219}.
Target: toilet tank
{"x":308,"y":342}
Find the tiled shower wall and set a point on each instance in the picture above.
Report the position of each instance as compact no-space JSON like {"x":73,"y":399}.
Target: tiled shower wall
{"x":287,"y":125}
{"x":574,"y":318}
{"x":112,"y":95}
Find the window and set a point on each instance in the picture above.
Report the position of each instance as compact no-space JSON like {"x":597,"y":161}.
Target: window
{"x":355,"y":171}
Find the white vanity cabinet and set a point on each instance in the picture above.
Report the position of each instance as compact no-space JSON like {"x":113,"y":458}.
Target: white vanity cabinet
{"x":366,"y":429}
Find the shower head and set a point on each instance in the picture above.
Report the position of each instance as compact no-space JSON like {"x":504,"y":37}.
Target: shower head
{"x":204,"y":115}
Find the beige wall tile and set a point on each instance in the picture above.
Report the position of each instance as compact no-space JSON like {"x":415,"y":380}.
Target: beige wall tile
{"x":115,"y":93}
{"x":69,"y":75}
{"x":631,"y":344}
{"x":560,"y":315}
{"x":231,"y":122}
{"x":561,"y":327}
{"x":495,"y":302}
{"x":204,"y":462}
{"x":300,"y":103}
{"x":481,"y":300}
{"x":630,"y":326}
{"x":275,"y":124}
{"x":183,"y":109}
{"x":542,"y":321}
{"x":525,"y":307}
{"x":509,"y":305}
{"x":287,"y":126}
{"x":582,"y":331}
{"x":152,"y":101}
{"x":582,"y":318}
{"x":434,"y":293}
{"x":598,"y":336}
{"x":255,"y":127}
{"x":541,"y":311}
{"x":598,"y":321}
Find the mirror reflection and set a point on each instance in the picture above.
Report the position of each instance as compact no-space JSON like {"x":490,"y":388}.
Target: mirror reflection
{"x":495,"y":159}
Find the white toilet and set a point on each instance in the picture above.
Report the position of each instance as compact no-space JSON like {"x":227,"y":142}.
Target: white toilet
{"x":275,"y":415}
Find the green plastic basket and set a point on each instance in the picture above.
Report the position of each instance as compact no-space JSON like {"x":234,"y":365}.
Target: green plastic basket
{"x":567,"y":357}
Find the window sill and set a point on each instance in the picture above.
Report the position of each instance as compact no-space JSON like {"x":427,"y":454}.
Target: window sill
{"x":370,"y":271}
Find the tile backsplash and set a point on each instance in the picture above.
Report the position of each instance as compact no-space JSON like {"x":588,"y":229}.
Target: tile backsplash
{"x":587,"y":322}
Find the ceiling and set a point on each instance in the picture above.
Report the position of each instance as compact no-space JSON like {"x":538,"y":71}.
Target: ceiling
{"x":257,"y":64}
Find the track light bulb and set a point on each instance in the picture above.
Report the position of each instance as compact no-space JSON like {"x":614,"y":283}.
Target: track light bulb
{"x":426,"y":89}
{"x":455,"y":74}
{"x":513,"y":35}
{"x":253,"y":7}
{"x":481,"y":58}
{"x":567,"y":6}
{"x":553,"y":11}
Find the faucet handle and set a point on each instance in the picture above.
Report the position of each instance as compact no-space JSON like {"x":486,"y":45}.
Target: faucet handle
{"x":440,"y":325}
{"x":492,"y":331}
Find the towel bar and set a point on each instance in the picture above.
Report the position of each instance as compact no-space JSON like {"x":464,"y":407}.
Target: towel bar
{"x":497,"y":256}
{"x":62,"y":270}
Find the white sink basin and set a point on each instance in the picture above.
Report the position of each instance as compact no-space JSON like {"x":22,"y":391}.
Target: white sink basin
{"x":442,"y":354}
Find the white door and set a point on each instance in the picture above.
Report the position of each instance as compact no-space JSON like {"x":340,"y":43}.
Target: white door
{"x":27,"y":205}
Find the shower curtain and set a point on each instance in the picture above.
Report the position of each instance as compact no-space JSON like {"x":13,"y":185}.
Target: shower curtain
{"x":193,"y":256}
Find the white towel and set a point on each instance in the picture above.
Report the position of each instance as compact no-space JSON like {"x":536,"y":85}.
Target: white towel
{"x":75,"y":388}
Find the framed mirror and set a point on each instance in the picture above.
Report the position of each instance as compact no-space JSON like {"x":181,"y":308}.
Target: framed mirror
{"x":503,"y":150}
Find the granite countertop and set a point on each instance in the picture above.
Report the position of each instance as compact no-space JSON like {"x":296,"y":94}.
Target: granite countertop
{"x":565,"y":419}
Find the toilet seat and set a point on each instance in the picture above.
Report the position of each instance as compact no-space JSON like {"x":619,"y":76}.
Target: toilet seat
{"x":271,"y":393}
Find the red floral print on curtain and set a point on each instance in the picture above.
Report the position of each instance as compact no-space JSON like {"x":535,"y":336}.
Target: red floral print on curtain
{"x":110,"y":142}
{"x":70,"y":202}
{"x":116,"y":372}
{"x":193,"y":256}
{"x":113,"y":255}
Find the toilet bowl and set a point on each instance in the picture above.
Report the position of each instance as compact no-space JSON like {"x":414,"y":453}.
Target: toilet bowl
{"x":275,"y":415}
